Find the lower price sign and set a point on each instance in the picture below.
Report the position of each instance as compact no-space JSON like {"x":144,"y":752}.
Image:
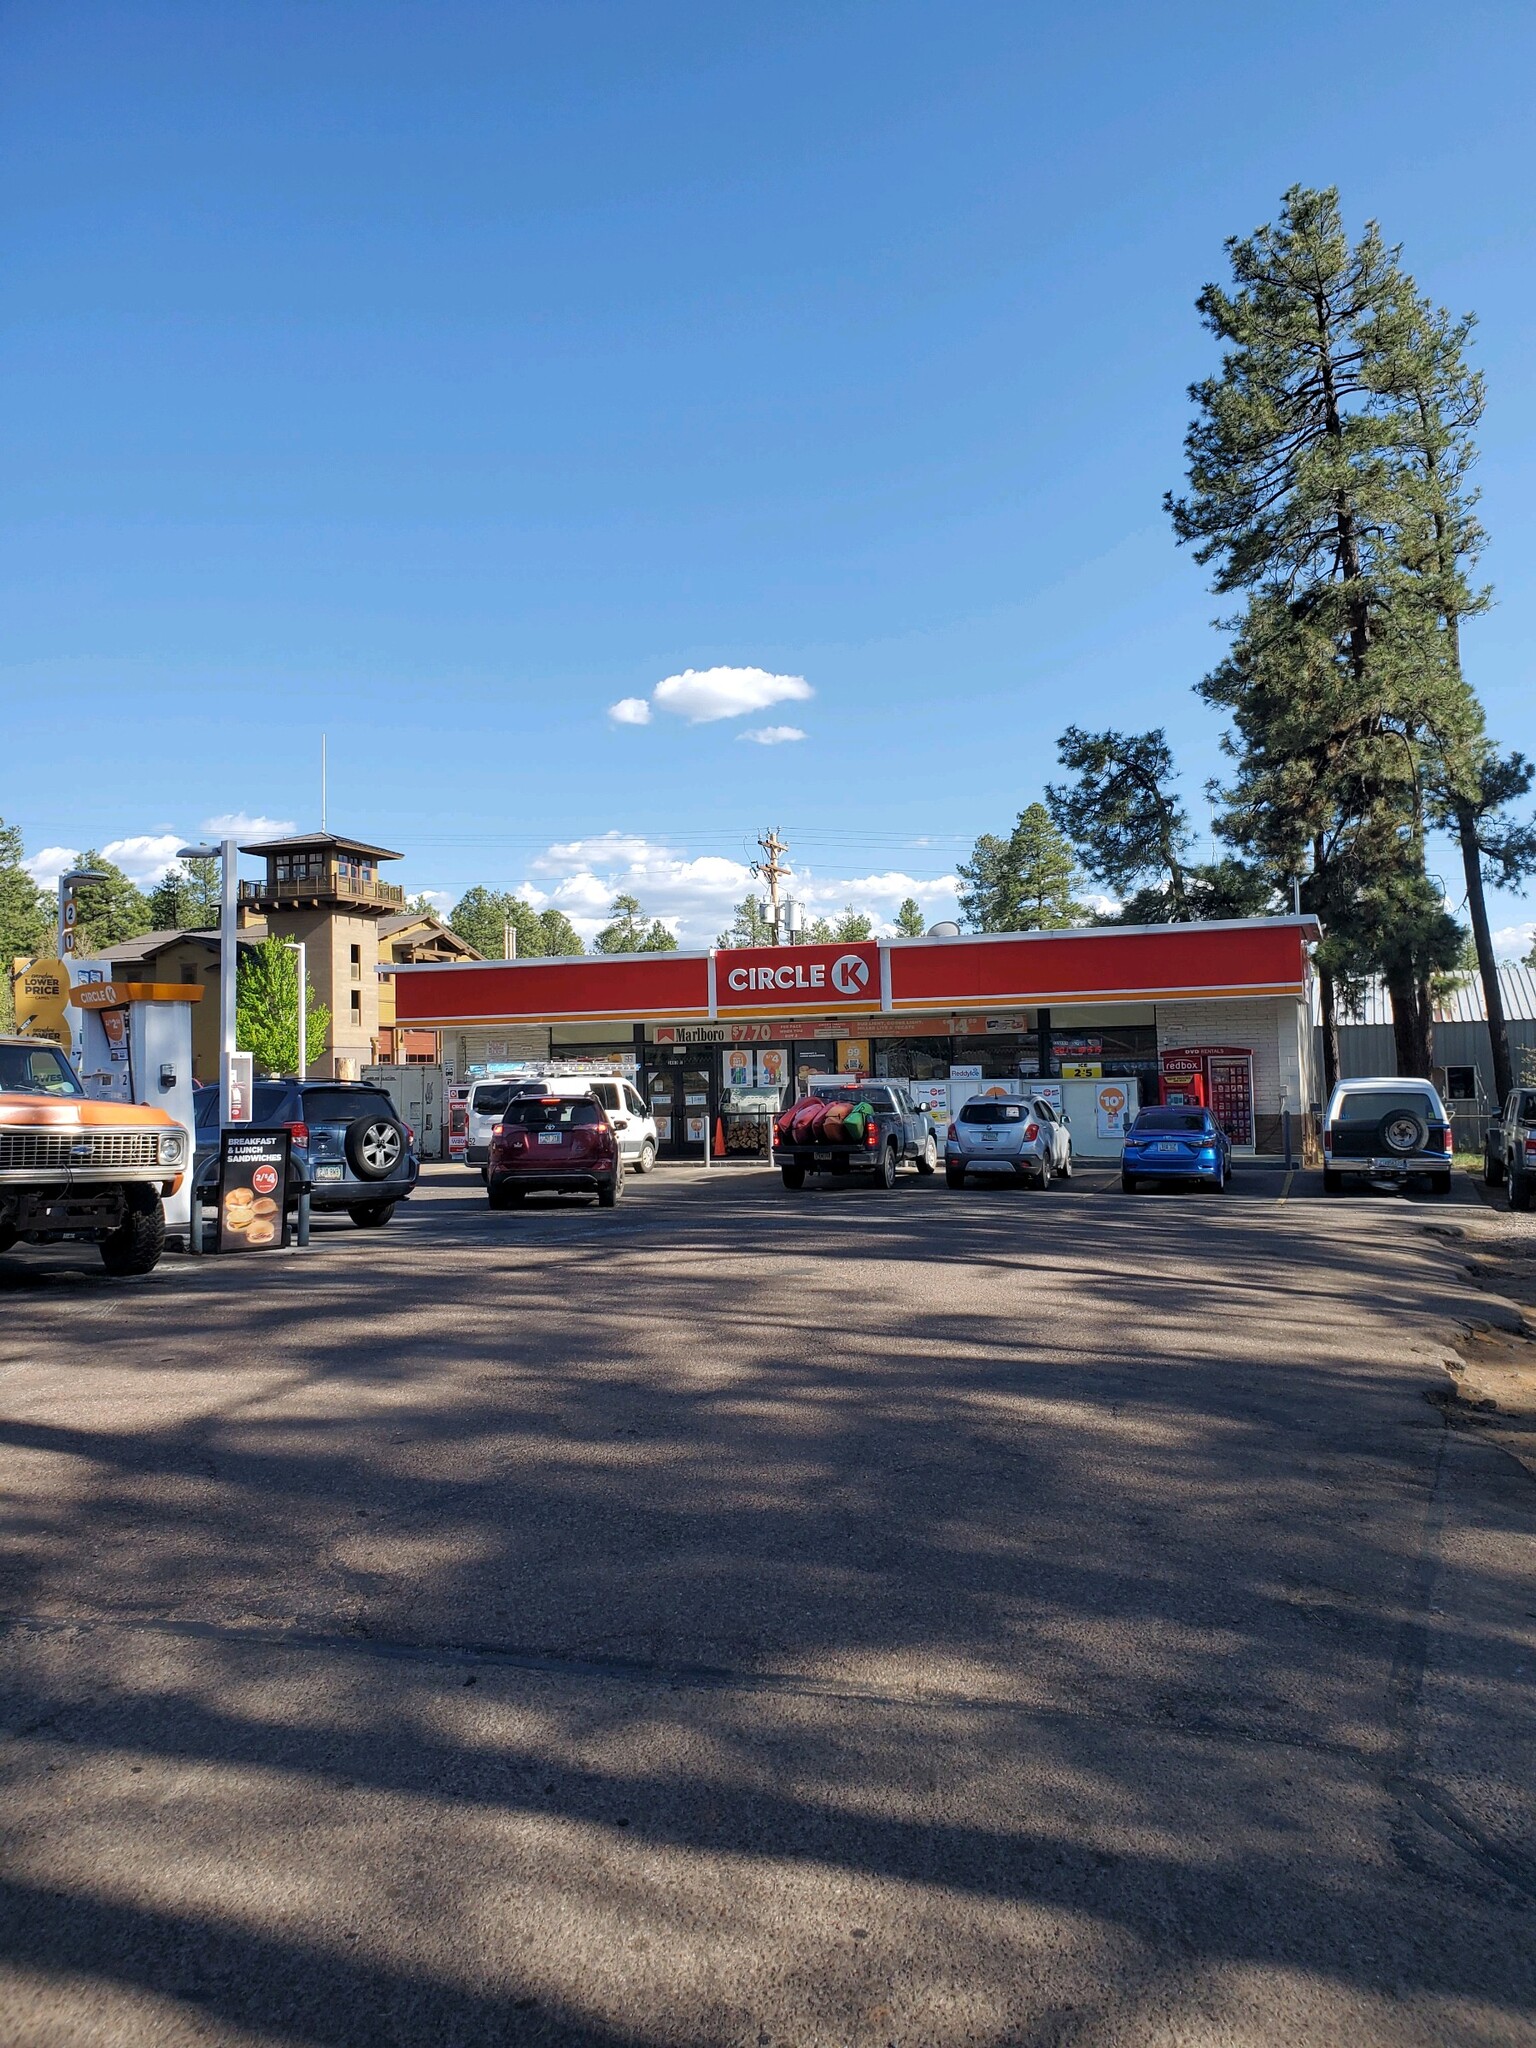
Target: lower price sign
{"x":253,"y":1175}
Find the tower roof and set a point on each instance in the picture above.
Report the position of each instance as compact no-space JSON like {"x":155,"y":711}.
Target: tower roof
{"x":317,"y":842}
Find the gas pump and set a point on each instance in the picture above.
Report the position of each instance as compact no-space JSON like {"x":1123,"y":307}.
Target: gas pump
{"x":135,"y":1045}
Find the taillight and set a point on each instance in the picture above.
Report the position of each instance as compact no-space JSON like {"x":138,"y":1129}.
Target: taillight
{"x":1328,"y":1142}
{"x":498,"y":1130}
{"x":1530,"y":1151}
{"x":299,"y":1135}
{"x":410,"y":1134}
{"x":1450,"y":1145}
{"x":871,"y":1133}
{"x":1031,"y":1132}
{"x":952,"y":1135}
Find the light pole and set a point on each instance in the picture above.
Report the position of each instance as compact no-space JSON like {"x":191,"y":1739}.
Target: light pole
{"x":227,"y":853}
{"x":69,"y":881}
{"x":298,"y":946}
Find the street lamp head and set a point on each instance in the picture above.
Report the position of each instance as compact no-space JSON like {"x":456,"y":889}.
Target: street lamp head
{"x":82,"y":875}
{"x":198,"y":852}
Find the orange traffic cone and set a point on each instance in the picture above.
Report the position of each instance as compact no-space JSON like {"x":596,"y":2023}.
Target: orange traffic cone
{"x":719,"y":1138}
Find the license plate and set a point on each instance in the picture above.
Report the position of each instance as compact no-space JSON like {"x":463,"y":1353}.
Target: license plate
{"x":329,"y":1172}
{"x":1167,"y":1148}
{"x":550,"y":1137}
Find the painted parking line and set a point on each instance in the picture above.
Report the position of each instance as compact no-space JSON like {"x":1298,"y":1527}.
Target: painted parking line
{"x":1285,"y":1192}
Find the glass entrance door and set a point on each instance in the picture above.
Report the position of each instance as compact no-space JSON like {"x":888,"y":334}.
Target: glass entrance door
{"x":682,"y":1102}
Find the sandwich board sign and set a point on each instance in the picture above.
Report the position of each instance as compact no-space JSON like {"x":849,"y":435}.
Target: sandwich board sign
{"x":253,"y":1178}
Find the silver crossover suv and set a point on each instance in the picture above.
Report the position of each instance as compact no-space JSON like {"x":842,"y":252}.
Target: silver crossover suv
{"x":1017,"y":1136}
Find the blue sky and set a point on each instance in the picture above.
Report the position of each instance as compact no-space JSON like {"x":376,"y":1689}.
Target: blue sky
{"x":438,"y":376}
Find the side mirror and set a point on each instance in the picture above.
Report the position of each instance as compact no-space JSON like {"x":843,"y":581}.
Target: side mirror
{"x":1066,"y":1120}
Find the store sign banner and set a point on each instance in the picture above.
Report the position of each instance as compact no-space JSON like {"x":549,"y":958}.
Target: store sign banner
{"x":776,"y":978}
{"x":253,"y":1174}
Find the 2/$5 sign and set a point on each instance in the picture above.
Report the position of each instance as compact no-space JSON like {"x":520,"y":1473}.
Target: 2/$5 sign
{"x":798,"y":977}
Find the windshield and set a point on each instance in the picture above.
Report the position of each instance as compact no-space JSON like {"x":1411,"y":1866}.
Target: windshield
{"x":992,"y":1113}
{"x":490,"y":1098}
{"x":341,"y":1105}
{"x":1370,"y":1105}
{"x":567,"y":1113}
{"x":1169,"y":1120}
{"x":36,"y":1070}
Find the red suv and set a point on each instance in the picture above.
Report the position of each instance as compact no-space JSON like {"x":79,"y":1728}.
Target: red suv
{"x":559,"y":1143}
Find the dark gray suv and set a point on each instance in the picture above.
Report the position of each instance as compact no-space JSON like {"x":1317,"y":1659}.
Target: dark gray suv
{"x":350,"y":1146}
{"x":1509,"y":1150}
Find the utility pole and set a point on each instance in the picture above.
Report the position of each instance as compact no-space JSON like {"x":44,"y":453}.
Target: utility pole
{"x":772,"y":869}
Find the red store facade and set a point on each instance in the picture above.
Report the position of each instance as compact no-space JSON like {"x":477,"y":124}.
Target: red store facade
{"x":704,"y":1030}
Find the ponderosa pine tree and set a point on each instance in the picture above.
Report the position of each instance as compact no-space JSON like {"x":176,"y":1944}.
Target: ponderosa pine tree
{"x":910,"y":922}
{"x":1440,"y":399}
{"x":1131,"y":832}
{"x":1301,"y":492}
{"x":188,"y":897}
{"x":1024,"y":883}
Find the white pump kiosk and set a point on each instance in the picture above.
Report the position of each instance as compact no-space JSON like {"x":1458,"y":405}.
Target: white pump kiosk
{"x":135,"y":1045}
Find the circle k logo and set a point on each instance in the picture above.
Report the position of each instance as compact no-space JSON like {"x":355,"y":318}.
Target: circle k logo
{"x":850,"y":974}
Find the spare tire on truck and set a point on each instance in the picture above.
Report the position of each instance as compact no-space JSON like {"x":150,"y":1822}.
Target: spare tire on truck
{"x":376,"y":1146}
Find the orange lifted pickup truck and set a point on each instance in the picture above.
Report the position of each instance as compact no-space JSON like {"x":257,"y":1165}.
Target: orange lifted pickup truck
{"x":71,"y":1168}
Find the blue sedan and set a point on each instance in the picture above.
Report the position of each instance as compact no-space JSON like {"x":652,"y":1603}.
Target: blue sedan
{"x":1176,"y":1144}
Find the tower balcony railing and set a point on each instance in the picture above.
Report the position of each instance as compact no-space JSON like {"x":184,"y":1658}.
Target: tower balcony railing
{"x":323,"y":889}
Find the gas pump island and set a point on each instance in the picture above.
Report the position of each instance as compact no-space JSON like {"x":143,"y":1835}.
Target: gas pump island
{"x":135,"y":1046}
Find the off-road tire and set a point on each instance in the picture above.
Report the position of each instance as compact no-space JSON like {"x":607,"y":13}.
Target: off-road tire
{"x":370,"y":1215}
{"x":136,"y":1244}
{"x":928,"y":1158}
{"x":793,"y":1176}
{"x":647,"y":1157}
{"x":376,"y":1146}
{"x":1493,"y":1170}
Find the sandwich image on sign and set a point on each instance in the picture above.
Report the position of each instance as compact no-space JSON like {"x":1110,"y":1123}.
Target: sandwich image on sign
{"x":253,"y":1167}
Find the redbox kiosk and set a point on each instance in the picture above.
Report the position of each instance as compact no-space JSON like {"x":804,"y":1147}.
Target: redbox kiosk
{"x":1214,"y":1077}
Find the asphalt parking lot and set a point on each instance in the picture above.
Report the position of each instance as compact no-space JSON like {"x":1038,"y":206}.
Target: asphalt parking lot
{"x":751,"y":1617}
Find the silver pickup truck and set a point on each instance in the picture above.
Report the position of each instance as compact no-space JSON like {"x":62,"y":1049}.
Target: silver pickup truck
{"x":898,"y":1133}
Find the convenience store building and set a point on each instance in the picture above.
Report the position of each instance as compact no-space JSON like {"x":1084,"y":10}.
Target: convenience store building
{"x":1128,"y":1008}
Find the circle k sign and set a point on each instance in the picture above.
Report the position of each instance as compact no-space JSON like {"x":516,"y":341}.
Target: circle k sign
{"x":775,"y":978}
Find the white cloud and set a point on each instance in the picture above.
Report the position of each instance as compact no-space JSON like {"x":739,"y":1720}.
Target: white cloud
{"x":144,"y":857}
{"x":630,"y":711}
{"x":46,"y":867}
{"x":772,"y":735}
{"x":1510,"y":942}
{"x":242,"y":825}
{"x":702,"y":695}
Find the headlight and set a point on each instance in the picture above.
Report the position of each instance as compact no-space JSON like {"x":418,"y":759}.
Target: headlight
{"x":173,"y":1148}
